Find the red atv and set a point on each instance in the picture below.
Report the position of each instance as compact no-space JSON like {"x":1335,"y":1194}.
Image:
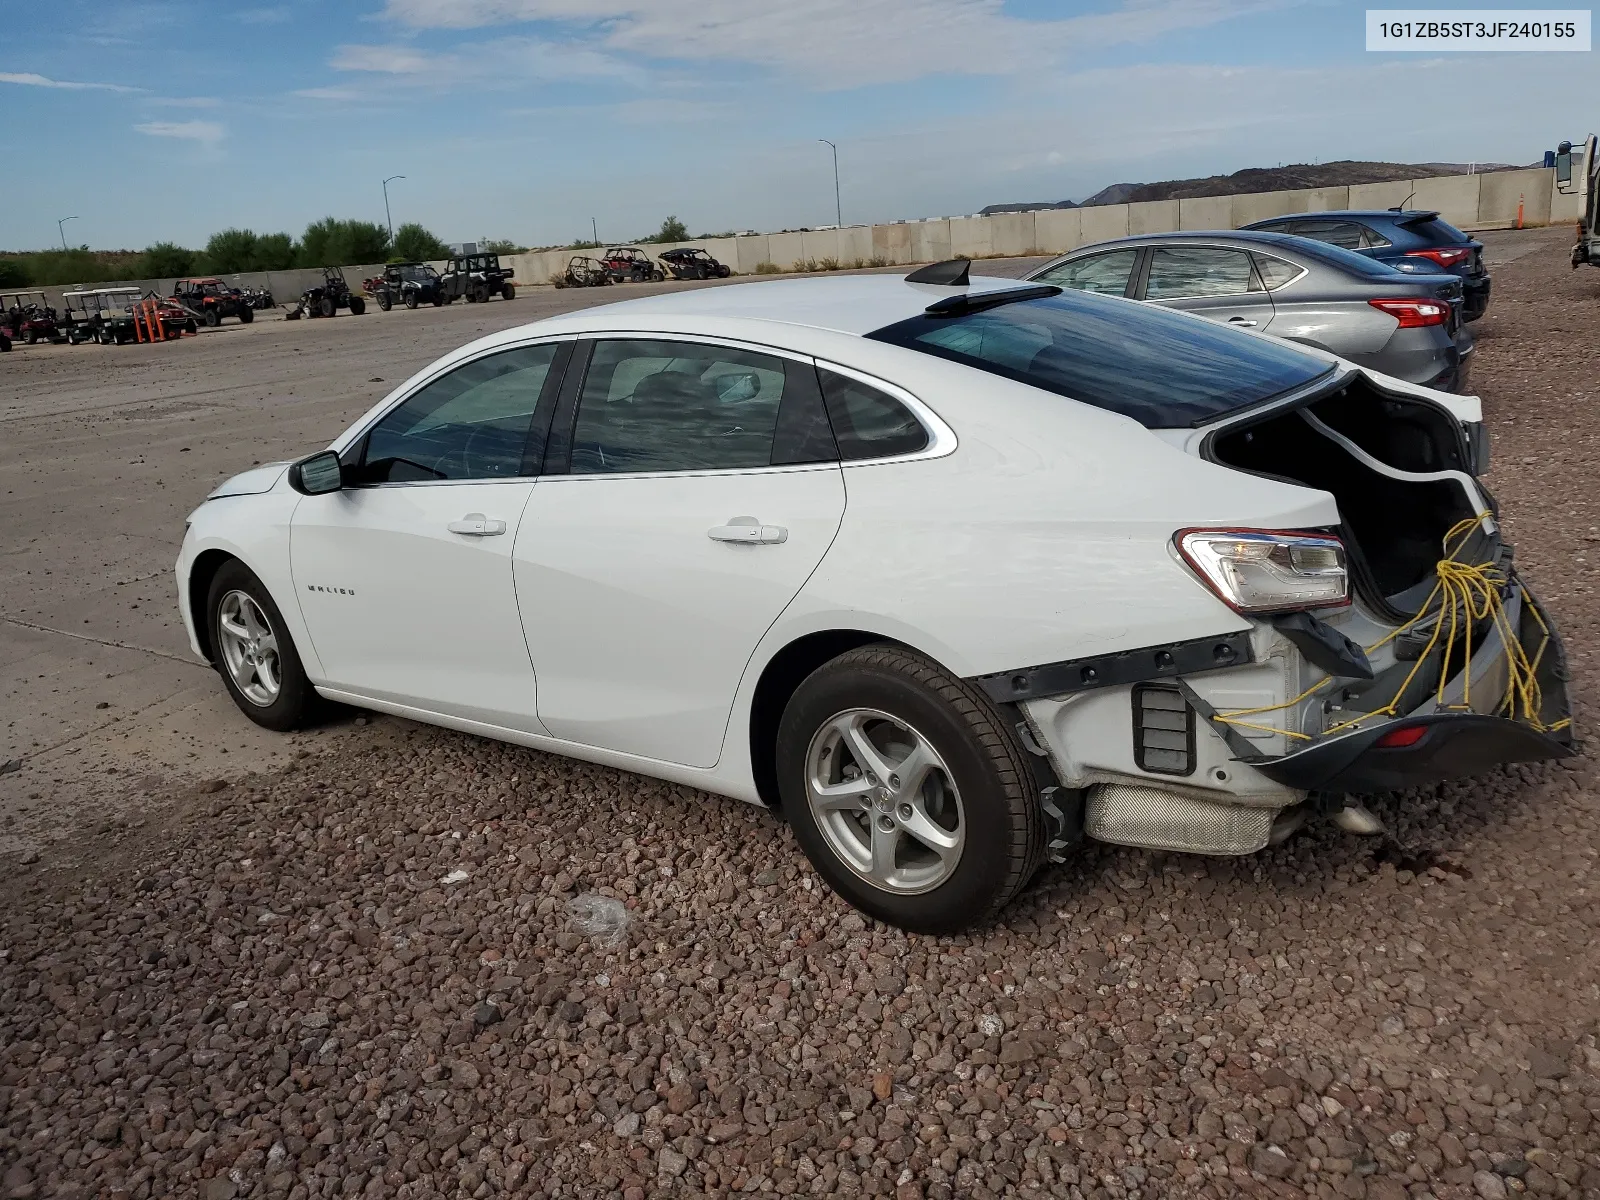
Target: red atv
{"x":210,"y":300}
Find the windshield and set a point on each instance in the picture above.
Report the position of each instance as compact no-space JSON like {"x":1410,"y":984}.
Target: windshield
{"x":1164,"y":369}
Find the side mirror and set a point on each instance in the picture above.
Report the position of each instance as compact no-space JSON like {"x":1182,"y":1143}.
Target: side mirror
{"x":317,"y":475}
{"x":1564,"y":168}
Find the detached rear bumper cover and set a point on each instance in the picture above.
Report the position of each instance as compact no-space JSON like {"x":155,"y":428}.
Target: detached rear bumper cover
{"x":1453,"y":745}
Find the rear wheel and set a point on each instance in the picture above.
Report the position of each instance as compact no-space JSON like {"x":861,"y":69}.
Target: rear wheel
{"x":358,"y":305}
{"x":438,"y":300}
{"x":508,"y":291}
{"x":246,"y":315}
{"x":384,"y":302}
{"x":255,"y":654}
{"x":33,"y":337}
{"x":480,"y":294}
{"x":325,"y":306}
{"x":189,"y":326}
{"x":907,"y":791}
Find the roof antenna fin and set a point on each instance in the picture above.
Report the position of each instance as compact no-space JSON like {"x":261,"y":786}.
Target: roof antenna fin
{"x":953,"y":272}
{"x":1401,"y":207}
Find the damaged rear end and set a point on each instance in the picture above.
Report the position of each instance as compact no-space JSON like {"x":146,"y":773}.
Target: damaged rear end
{"x":1397,"y":648}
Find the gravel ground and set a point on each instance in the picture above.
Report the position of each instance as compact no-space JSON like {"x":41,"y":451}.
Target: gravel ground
{"x":379,"y":971}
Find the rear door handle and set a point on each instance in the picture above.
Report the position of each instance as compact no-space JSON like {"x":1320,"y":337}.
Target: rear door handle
{"x":476,"y":525}
{"x":748,"y":531}
{"x":1246,"y":321}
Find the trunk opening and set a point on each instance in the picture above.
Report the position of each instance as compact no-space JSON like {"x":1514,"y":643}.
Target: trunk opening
{"x":1374,"y":452}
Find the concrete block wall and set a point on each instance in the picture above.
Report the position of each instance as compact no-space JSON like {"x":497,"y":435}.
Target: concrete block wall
{"x":1470,"y":201}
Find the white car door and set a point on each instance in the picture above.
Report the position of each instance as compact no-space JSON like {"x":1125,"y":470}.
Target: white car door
{"x":690,"y":491}
{"x":404,"y":576}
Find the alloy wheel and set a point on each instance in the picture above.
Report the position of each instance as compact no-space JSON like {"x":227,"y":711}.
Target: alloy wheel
{"x":885,"y":801}
{"x":249,"y":647}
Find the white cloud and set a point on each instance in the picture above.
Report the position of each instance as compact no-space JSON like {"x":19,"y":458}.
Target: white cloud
{"x":341,"y":94}
{"x":185,"y":101}
{"x":29,"y":79}
{"x":208,"y":133}
{"x":501,"y":62}
{"x":839,"y":43}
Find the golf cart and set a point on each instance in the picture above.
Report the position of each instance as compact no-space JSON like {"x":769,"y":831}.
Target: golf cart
{"x":583,"y":271}
{"x":475,"y":278}
{"x":631,"y":264}
{"x":412,"y":284}
{"x":1578,"y":173}
{"x":28,"y":317}
{"x":210,"y":300}
{"x":691,"y":262}
{"x":328,"y":299}
{"x":104,"y":315}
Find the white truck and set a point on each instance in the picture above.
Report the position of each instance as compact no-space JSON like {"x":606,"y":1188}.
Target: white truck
{"x":1578,"y":173}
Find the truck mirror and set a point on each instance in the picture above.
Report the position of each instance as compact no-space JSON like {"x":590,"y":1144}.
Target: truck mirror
{"x":1564,"y":170}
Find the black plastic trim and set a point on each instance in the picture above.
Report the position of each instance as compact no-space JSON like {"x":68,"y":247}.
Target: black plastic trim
{"x":1140,"y":691}
{"x":1113,"y":670}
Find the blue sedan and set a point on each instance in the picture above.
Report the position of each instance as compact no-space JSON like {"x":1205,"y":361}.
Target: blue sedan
{"x":1394,"y":235}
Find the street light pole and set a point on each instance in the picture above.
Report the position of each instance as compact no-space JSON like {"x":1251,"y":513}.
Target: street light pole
{"x":838,"y":209}
{"x":386,"y":214}
{"x":62,"y":231}
{"x":594,"y":229}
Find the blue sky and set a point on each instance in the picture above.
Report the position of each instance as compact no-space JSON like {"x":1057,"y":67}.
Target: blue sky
{"x":525,"y":118}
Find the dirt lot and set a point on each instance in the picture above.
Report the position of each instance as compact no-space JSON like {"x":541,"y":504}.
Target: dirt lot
{"x":347,"y":963}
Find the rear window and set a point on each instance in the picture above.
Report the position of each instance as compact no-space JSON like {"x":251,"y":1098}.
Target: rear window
{"x":1438,"y":232}
{"x":1347,"y":260}
{"x":1164,"y":369}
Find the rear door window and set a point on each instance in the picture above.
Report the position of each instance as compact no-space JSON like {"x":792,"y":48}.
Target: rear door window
{"x":1336,"y":233}
{"x":1107,"y":273}
{"x":687,"y":406}
{"x":1190,"y":272}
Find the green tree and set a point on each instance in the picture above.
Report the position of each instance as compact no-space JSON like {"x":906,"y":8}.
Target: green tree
{"x":165,"y":260}
{"x":413,"y":243}
{"x":274,"y":252}
{"x":500,"y":246}
{"x":231,"y":250}
{"x":332,"y":242}
{"x":14,"y":273}
{"x":672,"y":230}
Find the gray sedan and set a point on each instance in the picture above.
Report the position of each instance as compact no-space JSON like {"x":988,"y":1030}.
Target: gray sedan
{"x":1404,"y":323}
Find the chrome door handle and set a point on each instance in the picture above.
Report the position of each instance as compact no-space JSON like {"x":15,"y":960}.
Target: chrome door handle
{"x":1242,"y":321}
{"x":748,"y":531}
{"x":476,"y":525}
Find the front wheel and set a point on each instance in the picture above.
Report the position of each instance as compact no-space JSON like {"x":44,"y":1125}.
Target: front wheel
{"x":357,"y":306}
{"x":213,"y":318}
{"x":384,"y":302}
{"x":255,"y":654}
{"x":907,"y":791}
{"x":246,"y":315}
{"x":411,"y":299}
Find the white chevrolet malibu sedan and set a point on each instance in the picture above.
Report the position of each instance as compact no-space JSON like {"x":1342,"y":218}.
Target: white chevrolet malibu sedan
{"x":953,"y":572}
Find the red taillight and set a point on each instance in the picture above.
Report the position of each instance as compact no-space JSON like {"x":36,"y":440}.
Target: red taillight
{"x":1445,"y":256}
{"x":1414,"y":314}
{"x":1406,"y":735}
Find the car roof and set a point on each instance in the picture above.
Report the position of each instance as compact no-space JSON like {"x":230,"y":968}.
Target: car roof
{"x":854,"y":304}
{"x":1250,"y":237}
{"x":1365,"y":214}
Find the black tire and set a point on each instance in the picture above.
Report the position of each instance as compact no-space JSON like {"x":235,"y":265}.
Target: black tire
{"x":480,"y":294}
{"x":246,"y":315}
{"x":438,"y":300}
{"x":5,"y":344}
{"x":508,"y":291}
{"x":189,"y":326}
{"x":33,"y":337}
{"x":723,"y":271}
{"x":357,"y":306}
{"x":213,"y":318}
{"x":384,"y":302}
{"x":326,"y":306}
{"x":297,"y":701}
{"x":411,"y":299}
{"x":1003,"y":823}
